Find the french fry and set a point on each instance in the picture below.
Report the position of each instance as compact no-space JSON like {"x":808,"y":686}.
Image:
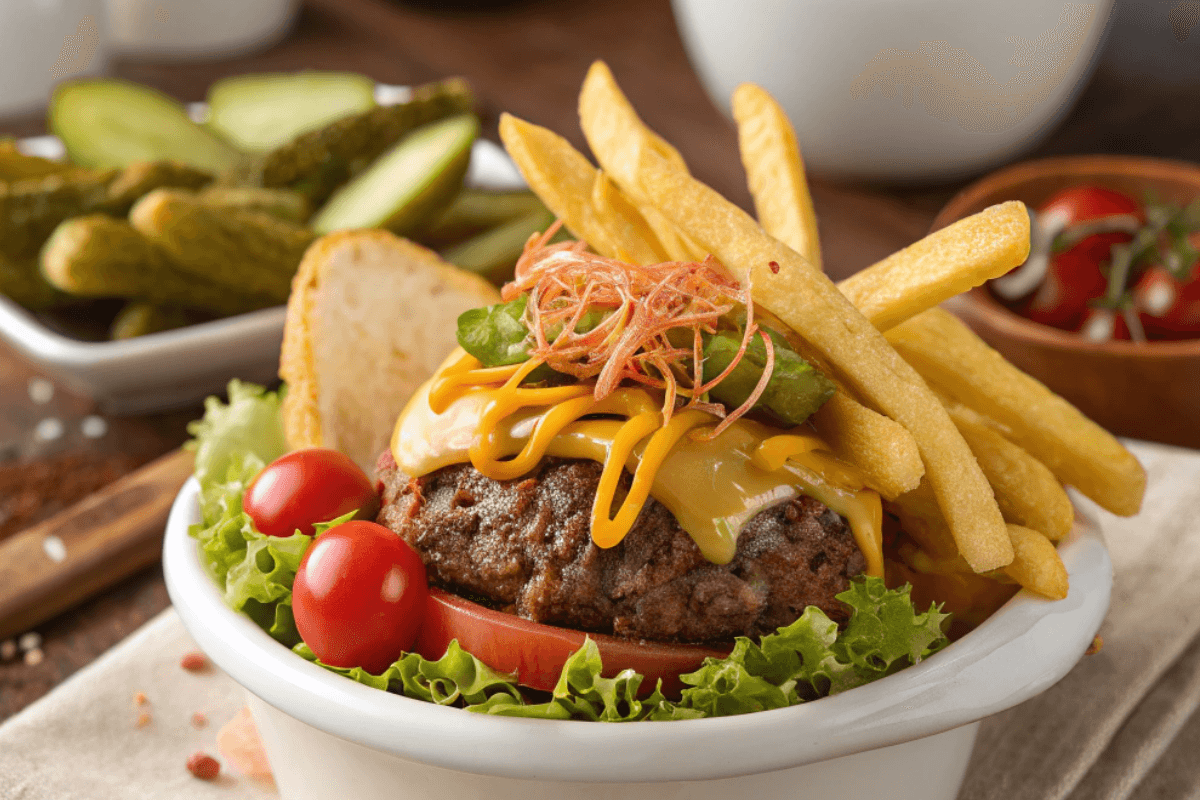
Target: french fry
{"x":1026,"y":491}
{"x":578,"y":194}
{"x":787,"y":285}
{"x":878,"y":447}
{"x":775,"y":171}
{"x":921,"y":518}
{"x":945,"y":263}
{"x":1036,"y":564}
{"x":1078,"y":451}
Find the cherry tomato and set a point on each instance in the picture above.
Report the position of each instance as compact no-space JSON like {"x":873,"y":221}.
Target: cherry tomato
{"x":535,"y":653}
{"x":1074,"y":277}
{"x":302,"y":488}
{"x":1170,"y":308}
{"x":359,"y":597}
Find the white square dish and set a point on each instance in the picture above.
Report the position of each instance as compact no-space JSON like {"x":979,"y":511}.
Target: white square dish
{"x":906,"y":737}
{"x":181,"y":367}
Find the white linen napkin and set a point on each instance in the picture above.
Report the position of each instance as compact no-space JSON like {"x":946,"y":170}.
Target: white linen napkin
{"x":1121,"y":725}
{"x":83,"y":740}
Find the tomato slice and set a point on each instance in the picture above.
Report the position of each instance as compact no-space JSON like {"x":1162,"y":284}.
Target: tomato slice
{"x":535,"y":653}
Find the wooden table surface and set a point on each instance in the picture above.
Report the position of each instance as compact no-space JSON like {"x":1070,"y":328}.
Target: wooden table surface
{"x":527,"y":58}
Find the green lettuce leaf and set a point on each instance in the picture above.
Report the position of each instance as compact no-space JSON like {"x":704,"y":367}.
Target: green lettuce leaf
{"x":496,"y":335}
{"x":250,"y":424}
{"x":805,"y":660}
{"x":457,"y":678}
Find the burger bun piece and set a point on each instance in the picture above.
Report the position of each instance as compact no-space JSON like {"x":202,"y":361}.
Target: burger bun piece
{"x":371,"y":317}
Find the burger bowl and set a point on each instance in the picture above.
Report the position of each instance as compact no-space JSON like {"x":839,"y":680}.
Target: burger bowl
{"x":908,"y":736}
{"x":1144,"y":390}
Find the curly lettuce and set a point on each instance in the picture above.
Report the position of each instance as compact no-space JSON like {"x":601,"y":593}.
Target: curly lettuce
{"x":810,"y":658}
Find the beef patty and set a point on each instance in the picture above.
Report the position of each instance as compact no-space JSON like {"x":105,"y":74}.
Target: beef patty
{"x":526,"y":545}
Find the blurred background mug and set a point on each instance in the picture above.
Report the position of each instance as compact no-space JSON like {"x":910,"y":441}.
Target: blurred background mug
{"x":197,"y":28}
{"x":901,"y":90}
{"x":43,"y":42}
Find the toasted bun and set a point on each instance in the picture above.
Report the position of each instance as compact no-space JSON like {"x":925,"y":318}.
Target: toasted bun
{"x":371,"y":316}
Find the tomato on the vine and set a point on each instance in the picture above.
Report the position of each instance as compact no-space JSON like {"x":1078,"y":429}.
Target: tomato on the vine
{"x":304,"y":487}
{"x":1075,"y":278}
{"x":359,"y":597}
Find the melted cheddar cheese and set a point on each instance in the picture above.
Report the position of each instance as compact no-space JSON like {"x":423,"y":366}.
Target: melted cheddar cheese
{"x":713,"y":486}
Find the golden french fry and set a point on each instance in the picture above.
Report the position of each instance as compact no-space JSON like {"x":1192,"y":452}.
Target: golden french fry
{"x":921,"y":518}
{"x":786,"y":284}
{"x":945,"y":263}
{"x":578,"y":194}
{"x":880,"y":448}
{"x":1078,"y":451}
{"x":775,"y":171}
{"x":1036,"y":564}
{"x":1026,"y":490}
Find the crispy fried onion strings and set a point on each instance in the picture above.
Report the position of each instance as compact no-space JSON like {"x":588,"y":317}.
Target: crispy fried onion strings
{"x":640,"y":305}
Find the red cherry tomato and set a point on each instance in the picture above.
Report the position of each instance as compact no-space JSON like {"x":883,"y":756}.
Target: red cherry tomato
{"x":360,"y":596}
{"x":1170,"y":308}
{"x":300,"y":489}
{"x":535,"y":653}
{"x":1074,"y":277}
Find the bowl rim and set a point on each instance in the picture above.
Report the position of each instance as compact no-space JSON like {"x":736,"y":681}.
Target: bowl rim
{"x":1082,"y":168}
{"x":980,"y":305}
{"x":1023,"y":649}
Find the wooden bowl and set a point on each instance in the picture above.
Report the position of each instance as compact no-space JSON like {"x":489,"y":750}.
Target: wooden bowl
{"x":1145,"y":390}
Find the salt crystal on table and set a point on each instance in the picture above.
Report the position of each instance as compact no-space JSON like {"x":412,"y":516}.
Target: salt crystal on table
{"x":34,"y":657}
{"x":29,"y":641}
{"x":93,"y":427}
{"x":8,"y":650}
{"x":41,"y":391}
{"x":49,"y":429}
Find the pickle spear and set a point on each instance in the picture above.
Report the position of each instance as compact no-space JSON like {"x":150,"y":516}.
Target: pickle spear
{"x":31,"y":208}
{"x":249,"y":252}
{"x":15,"y":165}
{"x":113,"y":123}
{"x":258,"y":113}
{"x":477,"y":210}
{"x":144,"y":177}
{"x":21,"y":282}
{"x":320,"y":161}
{"x":282,"y":203}
{"x":493,"y":254}
{"x":138,"y":318}
{"x":406,"y":185}
{"x":99,"y":256}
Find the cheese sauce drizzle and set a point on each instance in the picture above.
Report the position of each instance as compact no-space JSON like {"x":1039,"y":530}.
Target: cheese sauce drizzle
{"x":468,"y":413}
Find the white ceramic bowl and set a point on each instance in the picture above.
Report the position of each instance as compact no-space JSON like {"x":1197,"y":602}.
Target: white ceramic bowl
{"x":902,"y":90}
{"x":181,"y":367}
{"x":906,"y":737}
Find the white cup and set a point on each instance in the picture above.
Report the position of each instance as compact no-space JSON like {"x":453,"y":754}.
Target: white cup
{"x":43,"y":42}
{"x":901,"y":90}
{"x":197,"y":28}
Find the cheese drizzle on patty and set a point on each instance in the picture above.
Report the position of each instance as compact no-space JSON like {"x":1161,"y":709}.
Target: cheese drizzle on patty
{"x":483,"y":416}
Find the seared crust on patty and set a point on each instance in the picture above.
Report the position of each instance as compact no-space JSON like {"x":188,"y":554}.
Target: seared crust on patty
{"x":526,"y":545}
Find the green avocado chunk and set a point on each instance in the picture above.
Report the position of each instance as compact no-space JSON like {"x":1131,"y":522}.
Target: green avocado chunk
{"x":794,"y":392}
